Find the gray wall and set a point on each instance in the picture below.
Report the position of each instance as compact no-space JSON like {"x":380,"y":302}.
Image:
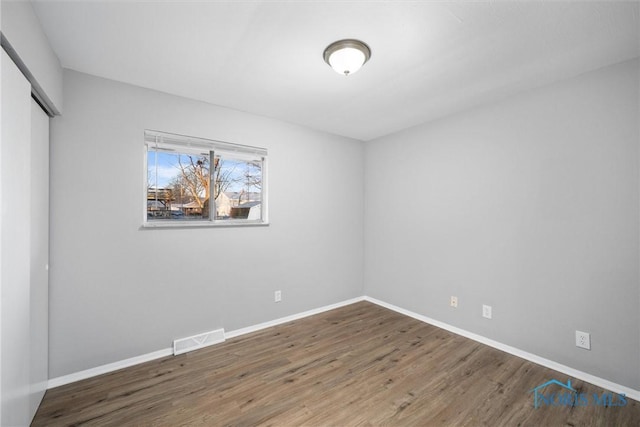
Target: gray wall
{"x":529,"y":205}
{"x":118,"y":291}
{"x":21,"y":27}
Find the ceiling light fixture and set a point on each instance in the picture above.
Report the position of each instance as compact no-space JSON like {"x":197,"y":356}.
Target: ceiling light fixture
{"x":347,"y":56}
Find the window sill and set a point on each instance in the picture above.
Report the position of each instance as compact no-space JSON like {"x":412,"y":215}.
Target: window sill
{"x":201,"y":224}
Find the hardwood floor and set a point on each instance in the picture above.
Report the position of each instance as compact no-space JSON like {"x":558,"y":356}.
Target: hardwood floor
{"x":359,"y":365}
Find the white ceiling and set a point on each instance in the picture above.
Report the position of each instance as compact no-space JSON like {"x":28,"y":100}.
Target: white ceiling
{"x":429,"y":59}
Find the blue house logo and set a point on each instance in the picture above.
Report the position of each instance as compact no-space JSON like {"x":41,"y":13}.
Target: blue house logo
{"x":540,"y":398}
{"x":565,"y":395}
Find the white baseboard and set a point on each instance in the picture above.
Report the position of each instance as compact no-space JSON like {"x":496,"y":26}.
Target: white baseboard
{"x":254,"y":328}
{"x":600,"y":382}
{"x":110,"y":367}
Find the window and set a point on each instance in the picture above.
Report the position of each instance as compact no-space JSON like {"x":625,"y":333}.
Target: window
{"x":195,"y":182}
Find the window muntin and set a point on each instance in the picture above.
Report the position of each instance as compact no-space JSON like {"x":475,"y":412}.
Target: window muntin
{"x":180,"y":182}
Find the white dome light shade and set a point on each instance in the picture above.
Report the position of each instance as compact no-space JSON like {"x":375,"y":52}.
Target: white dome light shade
{"x":347,"y":56}
{"x":346,"y":61}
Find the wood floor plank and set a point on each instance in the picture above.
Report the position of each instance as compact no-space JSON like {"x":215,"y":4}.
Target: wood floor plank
{"x":359,"y":365}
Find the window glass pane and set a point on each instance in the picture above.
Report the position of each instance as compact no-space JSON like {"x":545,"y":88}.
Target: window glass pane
{"x":204,"y":182}
{"x":177,"y":186}
{"x":238,"y":187}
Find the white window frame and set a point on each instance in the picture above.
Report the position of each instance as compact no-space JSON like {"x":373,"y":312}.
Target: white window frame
{"x":189,"y":144}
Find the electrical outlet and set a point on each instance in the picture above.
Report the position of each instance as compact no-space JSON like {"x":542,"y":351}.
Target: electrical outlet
{"x":486,"y":311}
{"x":454,"y":302}
{"x":583,"y":340}
{"x":277,"y":297}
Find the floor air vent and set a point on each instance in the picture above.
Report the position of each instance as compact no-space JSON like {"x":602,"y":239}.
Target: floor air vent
{"x":195,"y":342}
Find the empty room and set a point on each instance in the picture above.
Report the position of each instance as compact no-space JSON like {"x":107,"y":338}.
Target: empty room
{"x":320,"y":213}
